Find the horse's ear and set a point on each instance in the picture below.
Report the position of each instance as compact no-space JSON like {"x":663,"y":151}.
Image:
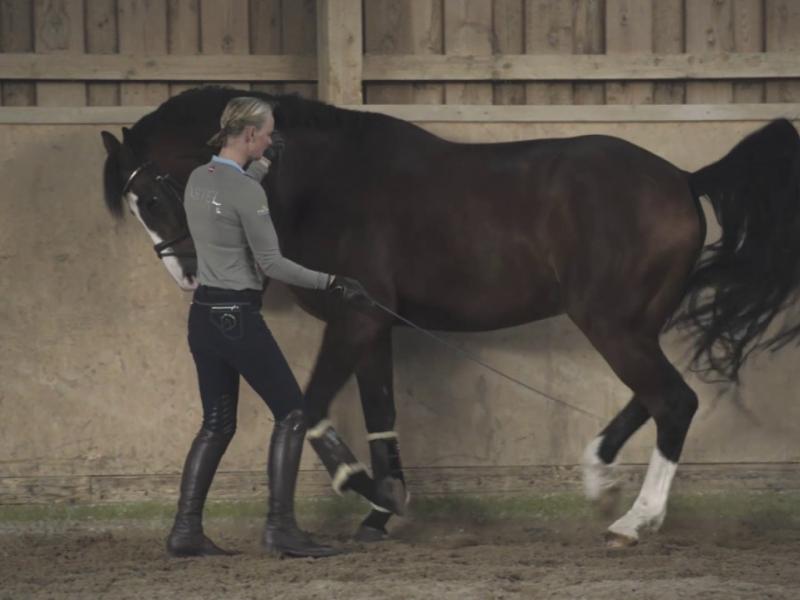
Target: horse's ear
{"x":126,"y":134}
{"x":110,"y":142}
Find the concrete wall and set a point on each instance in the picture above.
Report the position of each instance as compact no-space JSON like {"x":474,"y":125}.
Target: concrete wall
{"x":96,"y":379}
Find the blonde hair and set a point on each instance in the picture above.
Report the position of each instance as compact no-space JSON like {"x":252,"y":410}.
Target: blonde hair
{"x":239,"y":113}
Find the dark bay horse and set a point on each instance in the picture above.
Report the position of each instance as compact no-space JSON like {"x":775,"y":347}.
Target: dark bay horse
{"x":474,"y":237}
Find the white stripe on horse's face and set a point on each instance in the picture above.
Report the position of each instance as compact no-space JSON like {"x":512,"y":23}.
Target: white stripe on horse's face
{"x":170,"y":262}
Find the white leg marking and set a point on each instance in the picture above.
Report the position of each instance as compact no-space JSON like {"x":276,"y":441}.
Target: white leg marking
{"x":598,"y":476}
{"x":343,"y":473}
{"x":170,"y":262}
{"x":319,"y":429}
{"x":380,"y":508}
{"x":650,"y":508}
{"x":381,"y":435}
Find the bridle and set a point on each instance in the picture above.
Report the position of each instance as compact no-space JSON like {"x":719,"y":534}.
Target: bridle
{"x":166,"y":181}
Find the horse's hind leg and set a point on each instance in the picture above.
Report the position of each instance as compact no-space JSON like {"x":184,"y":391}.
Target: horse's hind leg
{"x":640,"y":363}
{"x":374,"y":374}
{"x":600,"y":482}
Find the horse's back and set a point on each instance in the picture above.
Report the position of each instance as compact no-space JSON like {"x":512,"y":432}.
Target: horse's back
{"x":497,"y":234}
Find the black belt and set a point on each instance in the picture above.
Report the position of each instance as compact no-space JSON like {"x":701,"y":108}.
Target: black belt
{"x":206,"y":295}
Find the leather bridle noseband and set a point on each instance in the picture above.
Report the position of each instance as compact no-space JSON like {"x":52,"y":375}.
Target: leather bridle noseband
{"x":166,"y":182}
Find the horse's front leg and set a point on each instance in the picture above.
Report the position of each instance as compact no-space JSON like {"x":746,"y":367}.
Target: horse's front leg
{"x":375,"y":384}
{"x":344,"y":344}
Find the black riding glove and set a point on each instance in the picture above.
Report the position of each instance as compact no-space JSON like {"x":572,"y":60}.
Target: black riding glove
{"x":350,"y":289}
{"x":273,"y":153}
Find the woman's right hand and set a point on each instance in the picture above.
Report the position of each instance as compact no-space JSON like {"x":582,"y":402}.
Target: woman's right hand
{"x":351,"y":290}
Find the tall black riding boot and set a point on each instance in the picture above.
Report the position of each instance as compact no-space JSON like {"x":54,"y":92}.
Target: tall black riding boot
{"x":186,"y":537}
{"x":281,"y":533}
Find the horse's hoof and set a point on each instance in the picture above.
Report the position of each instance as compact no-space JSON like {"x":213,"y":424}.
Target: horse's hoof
{"x":392,"y":495}
{"x":369,"y":535}
{"x":618,"y":540}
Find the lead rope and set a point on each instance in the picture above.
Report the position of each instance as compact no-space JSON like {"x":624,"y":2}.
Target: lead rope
{"x":470,"y":356}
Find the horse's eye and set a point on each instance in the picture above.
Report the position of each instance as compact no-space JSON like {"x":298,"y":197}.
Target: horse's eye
{"x":151,"y":202}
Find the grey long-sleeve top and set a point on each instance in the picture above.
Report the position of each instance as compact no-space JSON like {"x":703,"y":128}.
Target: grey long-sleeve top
{"x":233,"y":234}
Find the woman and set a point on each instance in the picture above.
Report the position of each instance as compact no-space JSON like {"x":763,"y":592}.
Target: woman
{"x":237,"y":247}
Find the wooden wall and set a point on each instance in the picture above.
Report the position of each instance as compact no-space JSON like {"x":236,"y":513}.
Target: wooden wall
{"x":576,"y":27}
{"x":150,"y":28}
{"x":553,"y":52}
{"x":98,"y":392}
{"x":465,"y":69}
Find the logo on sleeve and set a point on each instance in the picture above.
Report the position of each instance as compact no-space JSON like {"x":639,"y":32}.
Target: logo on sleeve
{"x":263,"y":211}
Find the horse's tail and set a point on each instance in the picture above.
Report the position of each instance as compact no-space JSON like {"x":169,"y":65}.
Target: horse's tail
{"x":745,"y":278}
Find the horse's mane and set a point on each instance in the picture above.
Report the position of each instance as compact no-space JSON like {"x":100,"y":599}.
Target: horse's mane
{"x":191,"y":108}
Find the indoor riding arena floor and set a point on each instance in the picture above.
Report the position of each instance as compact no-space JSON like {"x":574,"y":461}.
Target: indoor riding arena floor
{"x":718,"y":546}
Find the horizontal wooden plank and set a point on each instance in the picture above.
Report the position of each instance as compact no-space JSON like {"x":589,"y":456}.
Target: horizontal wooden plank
{"x":511,"y":480}
{"x":69,"y":115}
{"x":125,"y":115}
{"x":292,"y":67}
{"x":549,"y":67}
{"x":140,"y":67}
{"x":587,"y":113}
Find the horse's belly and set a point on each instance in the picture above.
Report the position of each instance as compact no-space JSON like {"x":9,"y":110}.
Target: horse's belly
{"x":448,"y":321}
{"x":478,"y":308}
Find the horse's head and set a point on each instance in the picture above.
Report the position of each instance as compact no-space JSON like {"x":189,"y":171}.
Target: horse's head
{"x":146,"y":187}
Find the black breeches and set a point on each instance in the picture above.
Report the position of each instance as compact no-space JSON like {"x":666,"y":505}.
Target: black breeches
{"x":228,"y":338}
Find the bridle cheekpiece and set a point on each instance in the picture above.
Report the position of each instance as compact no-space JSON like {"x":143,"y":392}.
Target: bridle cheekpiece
{"x":170,"y":184}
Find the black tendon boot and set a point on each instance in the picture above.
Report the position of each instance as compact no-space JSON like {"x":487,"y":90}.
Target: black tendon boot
{"x":281,"y":533}
{"x":186,"y":537}
{"x":386,"y":464}
{"x":387,"y":495}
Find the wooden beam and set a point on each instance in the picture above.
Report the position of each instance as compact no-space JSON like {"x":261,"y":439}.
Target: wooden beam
{"x":783,"y":35}
{"x":183,"y":28}
{"x":588,"y":113}
{"x":16,"y":35}
{"x":547,"y":67}
{"x":137,"y":67}
{"x":509,"y":38}
{"x":548,"y":32}
{"x":588,"y":37}
{"x":225,"y":29}
{"x":405,"y":67}
{"x":403,"y":27}
{"x":142,"y":32}
{"x":124,"y":115}
{"x":629,"y":30}
{"x":339,"y":51}
{"x":101,"y":38}
{"x":298,"y":22}
{"x":668,"y":38}
{"x":748,"y":36}
{"x":59,"y":31}
{"x":468,"y":30}
{"x":709,"y":29}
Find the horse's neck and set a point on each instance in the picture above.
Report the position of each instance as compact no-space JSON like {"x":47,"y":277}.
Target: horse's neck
{"x":280,"y":206}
